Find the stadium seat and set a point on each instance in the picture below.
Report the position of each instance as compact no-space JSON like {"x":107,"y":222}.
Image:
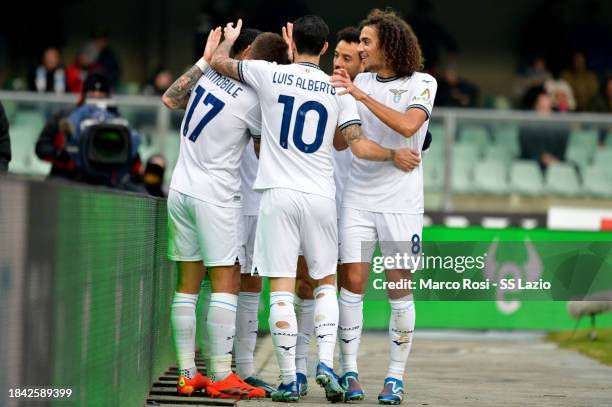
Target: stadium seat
{"x":433,"y":175}
{"x":561,"y":179}
{"x":526,"y":178}
{"x":437,"y":142}
{"x":29,"y":119}
{"x":499,"y":152}
{"x":579,"y":155}
{"x":508,"y":136}
{"x":24,"y":160}
{"x":586,"y":138}
{"x":597,"y":182}
{"x":171,"y":152}
{"x":461,"y":177}
{"x":465,"y":153}
{"x":603,"y":160}
{"x":608,"y":140}
{"x":475,"y":135}
{"x":491,"y":177}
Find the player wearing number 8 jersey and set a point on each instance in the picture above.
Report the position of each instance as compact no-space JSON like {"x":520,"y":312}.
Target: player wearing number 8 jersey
{"x":300,"y":114}
{"x":381,"y":203}
{"x":204,"y":210}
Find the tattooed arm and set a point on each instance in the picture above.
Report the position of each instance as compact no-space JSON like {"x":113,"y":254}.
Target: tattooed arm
{"x":177,"y":95}
{"x":364,"y":148}
{"x":221,"y":61}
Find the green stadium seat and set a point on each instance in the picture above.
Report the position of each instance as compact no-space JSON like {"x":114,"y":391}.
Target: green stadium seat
{"x":473,"y":134}
{"x":29,"y":119}
{"x":171,"y":153}
{"x":10,"y":108}
{"x":433,"y":175}
{"x":437,"y":141}
{"x":463,"y":153}
{"x":562,"y":179}
{"x":436,"y":130}
{"x":499,"y":152}
{"x":597,"y":182}
{"x":24,"y":160}
{"x":586,"y":138}
{"x":603,"y":160}
{"x":579,"y":155}
{"x":508,"y":135}
{"x":491,"y":177}
{"x":526,"y":178}
{"x":608,"y":140}
{"x":461,"y":178}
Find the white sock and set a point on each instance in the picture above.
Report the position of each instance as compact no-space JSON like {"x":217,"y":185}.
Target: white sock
{"x":221,"y":324}
{"x":401,"y":327}
{"x":326,"y":322}
{"x":246,"y":333}
{"x":304,"y":310}
{"x":283,"y":327}
{"x":349,"y":330}
{"x":182,"y":316}
{"x":201,"y":317}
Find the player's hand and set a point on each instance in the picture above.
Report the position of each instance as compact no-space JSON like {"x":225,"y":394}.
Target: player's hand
{"x":230,"y":32}
{"x":288,"y":37}
{"x":406,"y":159}
{"x":214,"y":37}
{"x":341,"y":79}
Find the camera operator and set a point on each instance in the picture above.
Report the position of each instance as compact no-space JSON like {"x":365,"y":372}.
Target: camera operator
{"x":92,"y":143}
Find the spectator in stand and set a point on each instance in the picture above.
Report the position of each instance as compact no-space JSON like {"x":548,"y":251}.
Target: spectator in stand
{"x":602,"y":102}
{"x":49,"y":75}
{"x":5,"y":141}
{"x":542,"y":143}
{"x":80,"y":68}
{"x":535,"y":74}
{"x":582,"y":81}
{"x":160,"y":82}
{"x":105,"y":57}
{"x":561,"y":94}
{"x":454,"y":91}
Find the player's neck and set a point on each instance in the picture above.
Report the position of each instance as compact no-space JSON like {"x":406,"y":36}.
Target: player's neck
{"x":311,"y":59}
{"x":386,"y":73}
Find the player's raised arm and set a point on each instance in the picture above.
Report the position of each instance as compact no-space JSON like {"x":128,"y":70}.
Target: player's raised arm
{"x":177,"y":95}
{"x":221,"y":60}
{"x":364,"y":148}
{"x":406,"y":123}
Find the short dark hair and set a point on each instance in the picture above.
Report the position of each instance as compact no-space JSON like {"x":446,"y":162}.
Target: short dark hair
{"x":246,"y":38}
{"x":270,"y":47}
{"x":348,"y":34}
{"x":398,"y":42}
{"x":309,"y":34}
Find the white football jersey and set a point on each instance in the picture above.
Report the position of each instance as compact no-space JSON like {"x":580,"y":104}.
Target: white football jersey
{"x":248,"y":172}
{"x":300,"y":113}
{"x":220,"y":116}
{"x":380,"y":186}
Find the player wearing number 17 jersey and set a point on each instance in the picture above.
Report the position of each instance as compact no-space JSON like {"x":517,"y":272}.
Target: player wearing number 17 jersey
{"x":204,"y":208}
{"x":300,"y":114}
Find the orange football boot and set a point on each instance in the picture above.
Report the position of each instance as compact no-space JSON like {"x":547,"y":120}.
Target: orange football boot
{"x":233,"y":387}
{"x":185,"y":386}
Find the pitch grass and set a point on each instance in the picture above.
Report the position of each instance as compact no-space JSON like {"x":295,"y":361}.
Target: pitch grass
{"x":600,"y":348}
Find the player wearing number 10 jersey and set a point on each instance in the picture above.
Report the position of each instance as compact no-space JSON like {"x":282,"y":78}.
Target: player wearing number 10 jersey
{"x":300,"y":114}
{"x":204,"y":208}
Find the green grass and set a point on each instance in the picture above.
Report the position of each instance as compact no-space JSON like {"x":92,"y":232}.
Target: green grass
{"x":600,"y":348}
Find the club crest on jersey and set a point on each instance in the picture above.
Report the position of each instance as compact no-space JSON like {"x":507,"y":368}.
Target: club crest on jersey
{"x":397,"y":94}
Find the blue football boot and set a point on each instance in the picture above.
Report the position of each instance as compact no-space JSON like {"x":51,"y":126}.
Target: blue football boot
{"x":287,"y":393}
{"x":392,"y":392}
{"x":327,"y":379}
{"x":351,"y":386}
{"x":302,"y":383}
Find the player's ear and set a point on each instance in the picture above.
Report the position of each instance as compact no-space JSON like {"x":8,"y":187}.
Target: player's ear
{"x":324,"y":49}
{"x":246,"y":54}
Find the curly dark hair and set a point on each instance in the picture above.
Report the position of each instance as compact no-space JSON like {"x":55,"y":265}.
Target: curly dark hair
{"x":398,"y":42}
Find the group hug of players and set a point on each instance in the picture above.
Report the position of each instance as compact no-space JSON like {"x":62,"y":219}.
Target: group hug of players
{"x":288,"y":173}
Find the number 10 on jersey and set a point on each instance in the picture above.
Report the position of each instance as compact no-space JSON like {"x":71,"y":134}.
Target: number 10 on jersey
{"x":300,"y":118}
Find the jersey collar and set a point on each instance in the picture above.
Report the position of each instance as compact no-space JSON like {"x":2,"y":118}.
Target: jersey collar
{"x":389,"y":79}
{"x":310,"y":65}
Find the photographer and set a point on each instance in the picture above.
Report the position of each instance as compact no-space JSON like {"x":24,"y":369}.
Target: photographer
{"x":92,"y":143}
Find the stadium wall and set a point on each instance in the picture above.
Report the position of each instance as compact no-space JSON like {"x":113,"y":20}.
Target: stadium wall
{"x":85,"y":291}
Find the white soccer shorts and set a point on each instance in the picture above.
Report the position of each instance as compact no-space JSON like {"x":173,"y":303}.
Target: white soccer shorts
{"x":199,"y":230}
{"x":360,"y":230}
{"x":248,"y":227}
{"x":289,"y":220}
